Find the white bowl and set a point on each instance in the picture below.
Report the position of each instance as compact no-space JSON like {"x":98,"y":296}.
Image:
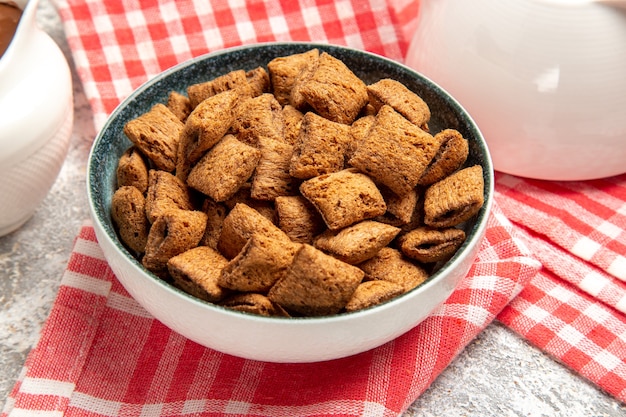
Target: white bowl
{"x":545,"y":80}
{"x":278,"y":339}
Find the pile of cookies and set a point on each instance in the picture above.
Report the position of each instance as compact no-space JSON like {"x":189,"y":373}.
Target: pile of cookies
{"x":294,"y":189}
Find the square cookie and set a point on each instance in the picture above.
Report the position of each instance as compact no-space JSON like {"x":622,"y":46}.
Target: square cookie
{"x":316,"y":284}
{"x":396,"y":152}
{"x":320,"y":147}
{"x":333,"y":90}
{"x":157,"y":134}
{"x":344,"y":198}
{"x":224,"y":169}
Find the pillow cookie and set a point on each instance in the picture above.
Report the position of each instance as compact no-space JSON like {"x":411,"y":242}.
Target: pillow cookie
{"x":403,"y":100}
{"x":344,"y":198}
{"x":320,"y":147}
{"x":454,"y":199}
{"x":259,"y":264}
{"x":333,"y":90}
{"x":132,"y":169}
{"x":171,"y":234}
{"x":315,"y":284}
{"x":157,"y":134}
{"x":357,"y":243}
{"x":390,"y":265}
{"x":224,"y":169}
{"x":395,"y":152}
{"x":197,"y":271}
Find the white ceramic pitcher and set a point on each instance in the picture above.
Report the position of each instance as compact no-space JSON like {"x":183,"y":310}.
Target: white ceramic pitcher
{"x":545,"y":80}
{"x":36,"y":119}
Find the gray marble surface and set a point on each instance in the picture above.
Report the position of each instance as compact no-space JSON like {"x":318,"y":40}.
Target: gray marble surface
{"x":498,"y":374}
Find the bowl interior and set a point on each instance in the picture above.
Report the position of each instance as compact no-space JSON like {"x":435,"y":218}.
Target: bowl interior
{"x":111,"y":141}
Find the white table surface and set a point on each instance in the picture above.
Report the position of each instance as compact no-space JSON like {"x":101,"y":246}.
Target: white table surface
{"x":498,"y":374}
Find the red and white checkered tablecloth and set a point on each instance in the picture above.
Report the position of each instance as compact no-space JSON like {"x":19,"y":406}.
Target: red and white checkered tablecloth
{"x":552,"y":266}
{"x":575,"y":308}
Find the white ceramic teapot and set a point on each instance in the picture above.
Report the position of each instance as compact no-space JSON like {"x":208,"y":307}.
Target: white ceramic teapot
{"x":545,"y":80}
{"x":36,"y":118}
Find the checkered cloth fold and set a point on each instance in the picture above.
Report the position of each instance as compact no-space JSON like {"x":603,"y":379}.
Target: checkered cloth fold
{"x":101,"y":354}
{"x":575,"y":308}
{"x":551,"y":266}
